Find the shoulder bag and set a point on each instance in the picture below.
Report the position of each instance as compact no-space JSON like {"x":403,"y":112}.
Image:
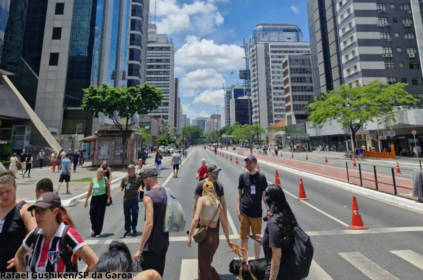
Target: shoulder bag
{"x":200,"y":233}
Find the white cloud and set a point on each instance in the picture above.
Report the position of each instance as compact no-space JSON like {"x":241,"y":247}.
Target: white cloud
{"x":295,"y":9}
{"x":195,"y":81}
{"x":200,"y":54}
{"x":191,"y":114}
{"x":210,"y":97}
{"x":199,"y":17}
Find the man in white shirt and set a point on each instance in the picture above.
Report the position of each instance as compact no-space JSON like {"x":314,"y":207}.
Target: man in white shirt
{"x":176,"y":160}
{"x":41,"y":157}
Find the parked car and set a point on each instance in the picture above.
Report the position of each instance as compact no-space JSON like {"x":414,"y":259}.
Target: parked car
{"x":163,"y":149}
{"x":170,"y":149}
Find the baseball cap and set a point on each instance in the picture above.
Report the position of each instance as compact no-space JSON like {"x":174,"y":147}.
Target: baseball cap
{"x":46,"y":200}
{"x":251,"y":158}
{"x":149,"y":173}
{"x":131,"y":166}
{"x":213,"y":168}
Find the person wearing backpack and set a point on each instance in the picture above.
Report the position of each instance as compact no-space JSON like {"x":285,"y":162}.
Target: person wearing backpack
{"x":278,"y":238}
{"x":154,"y":243}
{"x":55,"y":244}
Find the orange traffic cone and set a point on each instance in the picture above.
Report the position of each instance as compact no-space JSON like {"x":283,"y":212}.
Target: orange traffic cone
{"x":273,"y":154}
{"x":292,"y":155}
{"x":357,"y":222}
{"x":302,"y":194}
{"x":306,"y":157}
{"x":236,"y":162}
{"x":326,"y":159}
{"x":258,"y":168}
{"x":354,"y":164}
{"x":281,"y":154}
{"x":226,"y":156}
{"x":398,"y":171}
{"x":277,"y":181}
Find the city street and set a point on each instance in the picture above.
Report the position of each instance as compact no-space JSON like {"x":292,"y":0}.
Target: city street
{"x":387,"y":250}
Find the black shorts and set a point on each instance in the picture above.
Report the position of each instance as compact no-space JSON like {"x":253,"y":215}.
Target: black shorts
{"x":65,"y":178}
{"x":176,"y":166}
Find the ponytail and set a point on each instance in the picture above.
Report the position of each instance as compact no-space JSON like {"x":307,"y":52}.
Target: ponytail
{"x":63,"y":217}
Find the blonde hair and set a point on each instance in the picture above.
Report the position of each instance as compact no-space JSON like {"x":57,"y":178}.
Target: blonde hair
{"x":210,"y":193}
{"x":7,"y":178}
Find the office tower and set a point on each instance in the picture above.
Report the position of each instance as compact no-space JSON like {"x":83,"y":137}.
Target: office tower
{"x":200,"y":122}
{"x":227,"y":106}
{"x":160,"y":72}
{"x":188,"y":122}
{"x":239,"y":110}
{"x":176,"y":109}
{"x":269,"y":45}
{"x":358,"y":42}
{"x":138,"y":38}
{"x":298,"y":81}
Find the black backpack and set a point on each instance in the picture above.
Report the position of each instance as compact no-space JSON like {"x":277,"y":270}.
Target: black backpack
{"x":65,"y":254}
{"x":301,"y":254}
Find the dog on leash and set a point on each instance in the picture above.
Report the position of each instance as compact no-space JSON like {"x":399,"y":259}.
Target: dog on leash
{"x":258,"y":268}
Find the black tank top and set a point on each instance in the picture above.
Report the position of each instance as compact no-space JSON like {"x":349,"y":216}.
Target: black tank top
{"x":11,"y":236}
{"x":106,"y":172}
{"x":158,"y":240}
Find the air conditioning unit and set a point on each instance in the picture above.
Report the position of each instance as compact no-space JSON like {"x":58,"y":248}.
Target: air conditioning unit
{"x":387,"y":55}
{"x":407,"y":24}
{"x":411,"y":55}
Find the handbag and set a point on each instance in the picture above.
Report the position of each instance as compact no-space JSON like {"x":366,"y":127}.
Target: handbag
{"x":200,"y":233}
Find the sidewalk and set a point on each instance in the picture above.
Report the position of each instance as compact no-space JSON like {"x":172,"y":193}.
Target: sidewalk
{"x":26,"y":186}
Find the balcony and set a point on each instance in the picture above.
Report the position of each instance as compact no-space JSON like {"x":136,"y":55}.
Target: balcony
{"x":387,"y":55}
{"x":383,"y":24}
{"x":407,"y":24}
{"x":382,"y":10}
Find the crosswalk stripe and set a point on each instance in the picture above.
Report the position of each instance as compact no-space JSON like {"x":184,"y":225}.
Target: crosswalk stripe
{"x":410,"y":256}
{"x":189,"y":269}
{"x":317,"y":273}
{"x":367,"y":267}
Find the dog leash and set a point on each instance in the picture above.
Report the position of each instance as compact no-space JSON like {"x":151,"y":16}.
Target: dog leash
{"x":238,"y":250}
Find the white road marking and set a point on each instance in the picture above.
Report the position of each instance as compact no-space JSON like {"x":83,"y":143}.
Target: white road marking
{"x":317,"y":273}
{"x":189,"y":269}
{"x":367,"y":267}
{"x":232,"y":225}
{"x":315,"y":208}
{"x":369,"y":231}
{"x":410,"y":256}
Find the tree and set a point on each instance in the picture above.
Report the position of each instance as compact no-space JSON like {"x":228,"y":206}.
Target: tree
{"x":241,"y":133}
{"x":192,"y":133}
{"x":124,"y":103}
{"x":257,"y":130}
{"x":145,"y":135}
{"x":353,"y":107}
{"x":164,"y":140}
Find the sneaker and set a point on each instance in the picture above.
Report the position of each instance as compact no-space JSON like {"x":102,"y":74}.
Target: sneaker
{"x":97,"y":236}
{"x":126,"y":233}
{"x":91,"y":231}
{"x":134,"y":232}
{"x":92,"y":234}
{"x":68,"y":192}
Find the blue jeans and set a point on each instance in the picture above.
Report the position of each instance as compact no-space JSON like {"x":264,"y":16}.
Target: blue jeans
{"x":130,"y":207}
{"x":158,"y":169}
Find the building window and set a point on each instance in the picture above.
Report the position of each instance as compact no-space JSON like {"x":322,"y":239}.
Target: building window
{"x":60,"y":8}
{"x":350,"y":24}
{"x":134,"y":54}
{"x":414,"y":65}
{"x":401,"y":64}
{"x":394,"y":20}
{"x":135,"y":40}
{"x":381,"y":6}
{"x":54,"y":59}
{"x":391,"y":80}
{"x":411,"y":50}
{"x":403,"y":80}
{"x":57,"y":33}
{"x":387,"y":50}
{"x":396,"y":34}
{"x":389,"y":65}
{"x":392,"y":6}
{"x":343,"y":30}
{"x":409,"y":35}
{"x":406,"y":21}
{"x":340,"y":4}
{"x":382,"y":21}
{"x":399,"y":50}
{"x":136,"y":25}
{"x":385,"y":35}
{"x":416,"y":82}
{"x":405,"y":7}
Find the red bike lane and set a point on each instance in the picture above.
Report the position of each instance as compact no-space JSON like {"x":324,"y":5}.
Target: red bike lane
{"x":384,"y":182}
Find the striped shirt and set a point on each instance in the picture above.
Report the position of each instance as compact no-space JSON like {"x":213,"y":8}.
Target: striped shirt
{"x":46,"y":254}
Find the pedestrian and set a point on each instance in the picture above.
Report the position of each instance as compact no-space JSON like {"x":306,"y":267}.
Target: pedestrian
{"x":41,"y":157}
{"x":14,"y":163}
{"x":81,"y":158}
{"x":75,"y":159}
{"x":22,"y":161}
{"x":251,"y":188}
{"x":276,"y":150}
{"x":202,"y":170}
{"x":99,"y":189}
{"x":43,"y":186}
{"x":139,"y":155}
{"x":52,"y":220}
{"x":65,"y":174}
{"x":361,"y":152}
{"x":15,"y":221}
{"x":158,"y":161}
{"x":350,"y":154}
{"x":176,"y":160}
{"x":59,"y":161}
{"x":154,"y":242}
{"x":144,"y":155}
{"x":53,"y":159}
{"x":357,"y":153}
{"x":132,"y":184}
{"x":140,"y":168}
{"x":277,"y":237}
{"x":107,"y":171}
{"x":209,"y":211}
{"x":212,"y":174}
{"x":28,"y":165}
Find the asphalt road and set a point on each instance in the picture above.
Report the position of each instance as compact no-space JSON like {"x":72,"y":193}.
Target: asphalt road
{"x":387,"y":250}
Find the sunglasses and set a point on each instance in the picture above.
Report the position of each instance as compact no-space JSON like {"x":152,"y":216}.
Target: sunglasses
{"x":38,"y":211}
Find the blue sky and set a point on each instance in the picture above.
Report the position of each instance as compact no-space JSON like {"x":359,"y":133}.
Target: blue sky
{"x":207,"y":35}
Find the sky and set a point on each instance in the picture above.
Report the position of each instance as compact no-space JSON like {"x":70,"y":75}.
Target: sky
{"x":207,"y":35}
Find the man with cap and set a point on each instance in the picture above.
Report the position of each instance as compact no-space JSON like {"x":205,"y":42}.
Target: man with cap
{"x":212,"y":174}
{"x":154,"y":242}
{"x":132,"y":184}
{"x":251,"y":188}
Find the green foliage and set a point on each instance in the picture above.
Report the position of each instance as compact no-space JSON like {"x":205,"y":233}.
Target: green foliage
{"x":164,"y":140}
{"x":257,"y":131}
{"x":6,"y":150}
{"x":6,"y":163}
{"x":353,"y":107}
{"x":192,"y":133}
{"x":145,"y":135}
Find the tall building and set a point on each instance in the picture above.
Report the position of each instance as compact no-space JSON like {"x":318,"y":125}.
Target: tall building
{"x":227,"y":106}
{"x":211,"y":125}
{"x":200,"y":122}
{"x":184,"y":120}
{"x":358,"y":42}
{"x":239,"y":110}
{"x":298,"y":81}
{"x":138,"y":37}
{"x":269,"y":45}
{"x":188,"y":122}
{"x":176,"y":109}
{"x":160,"y":72}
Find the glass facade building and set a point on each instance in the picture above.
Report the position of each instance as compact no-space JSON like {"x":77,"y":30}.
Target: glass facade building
{"x":283,"y":32}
